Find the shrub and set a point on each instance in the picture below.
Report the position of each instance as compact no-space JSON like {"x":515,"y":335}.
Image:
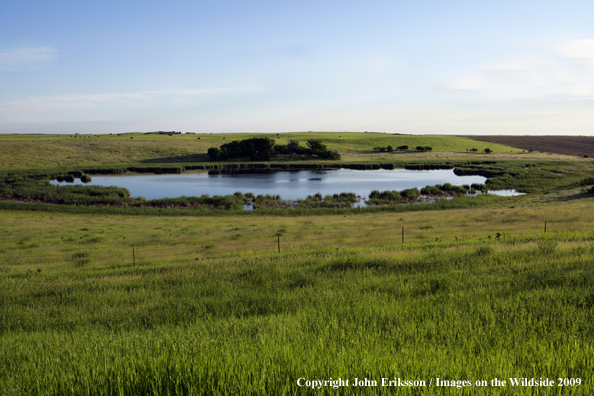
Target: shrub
{"x":410,"y":194}
{"x":214,"y":153}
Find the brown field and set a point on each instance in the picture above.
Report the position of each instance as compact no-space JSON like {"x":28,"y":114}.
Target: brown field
{"x":567,"y":145}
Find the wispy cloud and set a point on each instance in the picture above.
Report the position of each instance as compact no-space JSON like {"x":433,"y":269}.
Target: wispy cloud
{"x":20,"y":57}
{"x":567,"y":71}
{"x":47,"y":108}
{"x":577,"y":49}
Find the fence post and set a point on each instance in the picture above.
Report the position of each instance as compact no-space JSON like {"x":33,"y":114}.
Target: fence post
{"x":278,"y":241}
{"x":545,"y":227}
{"x":133,"y":256}
{"x":402,"y":234}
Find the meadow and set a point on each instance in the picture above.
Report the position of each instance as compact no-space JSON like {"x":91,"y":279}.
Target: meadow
{"x":121,"y":301}
{"x":61,"y":151}
{"x":211,"y":307}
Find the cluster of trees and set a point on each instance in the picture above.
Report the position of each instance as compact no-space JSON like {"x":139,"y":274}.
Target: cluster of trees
{"x":263,"y":149}
{"x":402,"y":148}
{"x":475,"y":150}
{"x":258,"y":149}
{"x":389,"y":149}
{"x":424,"y":148}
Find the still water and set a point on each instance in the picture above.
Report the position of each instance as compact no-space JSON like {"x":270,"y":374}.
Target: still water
{"x":289,"y":185}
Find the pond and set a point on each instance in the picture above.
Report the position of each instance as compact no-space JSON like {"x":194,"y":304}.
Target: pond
{"x":289,"y":185}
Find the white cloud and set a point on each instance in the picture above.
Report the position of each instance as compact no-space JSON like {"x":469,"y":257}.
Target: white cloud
{"x":15,"y":58}
{"x":65,"y":107}
{"x":577,"y":49}
{"x":564,"y":73}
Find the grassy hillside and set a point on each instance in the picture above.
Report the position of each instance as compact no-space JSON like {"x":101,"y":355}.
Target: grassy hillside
{"x":210,"y":307}
{"x":39,"y":151}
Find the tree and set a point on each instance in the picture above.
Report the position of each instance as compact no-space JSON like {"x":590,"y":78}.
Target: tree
{"x":214,"y":153}
{"x":390,"y":149}
{"x":259,"y":149}
{"x":488,"y":151}
{"x":318,"y":149}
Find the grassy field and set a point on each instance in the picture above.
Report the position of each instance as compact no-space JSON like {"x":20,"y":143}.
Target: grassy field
{"x":117,"y":301}
{"x":47,"y":151}
{"x":215,"y":309}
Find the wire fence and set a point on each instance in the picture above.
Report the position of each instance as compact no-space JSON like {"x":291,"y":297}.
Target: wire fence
{"x":139,"y":251}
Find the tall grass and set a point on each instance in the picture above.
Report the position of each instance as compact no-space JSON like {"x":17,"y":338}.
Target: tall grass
{"x":256,"y":324}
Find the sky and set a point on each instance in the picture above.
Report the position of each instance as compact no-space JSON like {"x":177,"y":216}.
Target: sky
{"x":419,"y":67}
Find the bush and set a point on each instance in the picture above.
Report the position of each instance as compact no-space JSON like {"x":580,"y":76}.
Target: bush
{"x":214,"y":153}
{"x":431,"y":190}
{"x":390,"y":149}
{"x":315,"y":148}
{"x":384,"y":197}
{"x":410,"y":194}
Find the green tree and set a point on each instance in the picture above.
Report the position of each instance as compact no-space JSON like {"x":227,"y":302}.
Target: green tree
{"x":214,"y":153}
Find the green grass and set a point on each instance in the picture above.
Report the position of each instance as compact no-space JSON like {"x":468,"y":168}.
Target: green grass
{"x":255,"y":324}
{"x":209,"y":307}
{"x":52,"y":151}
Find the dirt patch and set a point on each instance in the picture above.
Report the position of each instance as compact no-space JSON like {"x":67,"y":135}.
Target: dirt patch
{"x":567,"y":145}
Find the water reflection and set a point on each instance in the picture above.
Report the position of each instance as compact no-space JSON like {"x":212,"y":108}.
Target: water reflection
{"x":289,"y":185}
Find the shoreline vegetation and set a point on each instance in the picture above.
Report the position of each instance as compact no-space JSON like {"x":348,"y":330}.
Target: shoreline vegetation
{"x":34,"y":187}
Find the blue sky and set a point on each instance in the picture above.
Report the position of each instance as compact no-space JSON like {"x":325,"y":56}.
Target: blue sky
{"x":446,"y":67}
